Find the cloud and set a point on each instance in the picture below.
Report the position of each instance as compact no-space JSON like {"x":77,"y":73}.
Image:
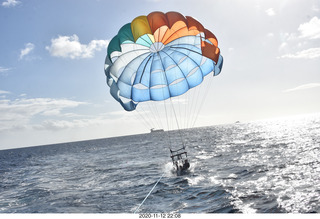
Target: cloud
{"x":303,"y":87}
{"x":311,"y":29}
{"x":81,"y":121}
{"x":4,"y":92}
{"x":28,"y":48}
{"x":19,"y":112}
{"x":315,"y":8}
{"x":10,"y":3}
{"x":55,"y":125}
{"x":305,"y":32}
{"x":311,"y":53}
{"x":270,"y":12}
{"x":4,"y":71}
{"x":270,"y":34}
{"x":307,"y":35}
{"x":70,"y":47}
{"x":283,"y":46}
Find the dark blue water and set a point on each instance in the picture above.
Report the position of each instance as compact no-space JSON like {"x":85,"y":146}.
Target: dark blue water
{"x":263,"y":167}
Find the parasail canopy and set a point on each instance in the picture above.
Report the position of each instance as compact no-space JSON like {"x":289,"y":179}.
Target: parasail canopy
{"x":159,"y":56}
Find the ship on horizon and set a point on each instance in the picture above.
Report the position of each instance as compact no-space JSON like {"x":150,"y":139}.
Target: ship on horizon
{"x":156,"y":130}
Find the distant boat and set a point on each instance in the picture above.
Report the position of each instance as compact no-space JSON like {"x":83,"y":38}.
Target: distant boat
{"x":156,"y":130}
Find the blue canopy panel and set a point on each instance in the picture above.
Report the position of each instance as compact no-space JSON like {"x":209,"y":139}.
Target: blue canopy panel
{"x":128,"y":105}
{"x":218,"y":67}
{"x":140,"y":74}
{"x":159,"y":93}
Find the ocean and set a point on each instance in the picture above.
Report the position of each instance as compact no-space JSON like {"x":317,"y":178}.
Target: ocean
{"x":270,"y":166}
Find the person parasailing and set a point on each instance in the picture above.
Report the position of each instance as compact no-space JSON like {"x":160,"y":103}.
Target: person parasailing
{"x":160,"y":57}
{"x":180,"y":159}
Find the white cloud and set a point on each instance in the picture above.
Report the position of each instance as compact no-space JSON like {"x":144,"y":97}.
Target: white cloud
{"x":75,"y":121}
{"x":283,"y":46}
{"x":28,"y":48}
{"x":270,"y":35}
{"x":306,"y":31}
{"x":2,"y":69}
{"x":70,"y":47}
{"x":315,"y":8}
{"x":303,"y":87}
{"x":19,"y":112}
{"x":10,"y":3}
{"x":311,"y":53}
{"x":4,"y":92}
{"x":306,"y":36}
{"x":55,"y":125}
{"x":270,"y":12}
{"x":311,"y":29}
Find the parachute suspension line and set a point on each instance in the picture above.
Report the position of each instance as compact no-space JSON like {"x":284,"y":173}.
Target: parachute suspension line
{"x":158,"y":112}
{"x":168,"y":134}
{"x":153,"y":113}
{"x":185,"y":116}
{"x":164,"y":104}
{"x":171,"y":102}
{"x":178,"y":95}
{"x":208,"y":86}
{"x":145,"y":122}
{"x":149,"y":193}
{"x":187,"y":108}
{"x":165,"y":80}
{"x":146,"y":116}
{"x":158,"y":119}
{"x":175,"y":115}
{"x":192,"y":104}
{"x":196,"y":109}
{"x":180,"y":114}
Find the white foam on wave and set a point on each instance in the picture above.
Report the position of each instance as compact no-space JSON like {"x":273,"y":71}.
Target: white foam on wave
{"x":169,"y":170}
{"x":195,"y":180}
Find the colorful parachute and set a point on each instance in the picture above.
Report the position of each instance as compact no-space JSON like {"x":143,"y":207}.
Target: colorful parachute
{"x":159,"y":56}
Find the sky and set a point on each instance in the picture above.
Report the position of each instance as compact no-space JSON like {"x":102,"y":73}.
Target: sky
{"x":53,"y":87}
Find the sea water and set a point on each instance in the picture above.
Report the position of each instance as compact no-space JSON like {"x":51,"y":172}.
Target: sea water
{"x":258,"y":167}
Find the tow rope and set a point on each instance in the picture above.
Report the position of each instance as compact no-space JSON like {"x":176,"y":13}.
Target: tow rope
{"x":149,"y":193}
